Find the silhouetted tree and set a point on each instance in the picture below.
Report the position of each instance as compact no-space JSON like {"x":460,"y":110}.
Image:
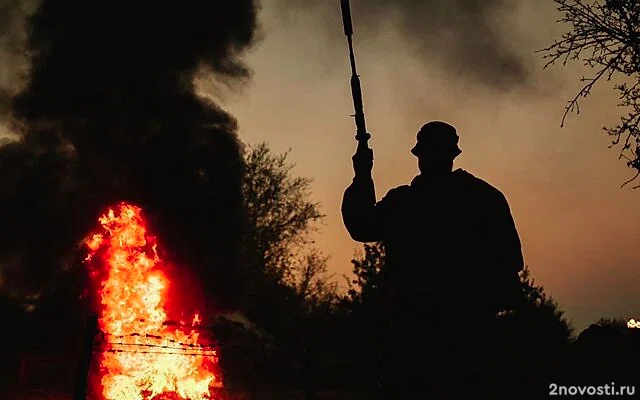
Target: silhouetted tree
{"x":539,"y":310}
{"x":531,"y":343}
{"x":617,"y":323}
{"x":314,"y":284}
{"x":367,"y":282}
{"x":604,"y":36}
{"x":365,"y":305}
{"x":606,"y":351}
{"x":282,"y":219}
{"x":290,"y":292}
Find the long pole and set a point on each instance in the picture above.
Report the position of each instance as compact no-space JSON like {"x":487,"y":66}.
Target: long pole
{"x":362,"y":136}
{"x":82,"y":374}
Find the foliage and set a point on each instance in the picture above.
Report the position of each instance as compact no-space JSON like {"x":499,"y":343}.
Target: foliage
{"x":366,"y":287}
{"x":314,"y":284}
{"x":362,"y":317}
{"x":538,"y":311}
{"x":604,"y":36}
{"x":282,"y":219}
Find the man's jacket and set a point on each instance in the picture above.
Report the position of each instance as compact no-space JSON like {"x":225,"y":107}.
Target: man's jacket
{"x":452,"y":245}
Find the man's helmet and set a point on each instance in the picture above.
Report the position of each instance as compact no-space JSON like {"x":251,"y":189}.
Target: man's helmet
{"x":437,"y":137}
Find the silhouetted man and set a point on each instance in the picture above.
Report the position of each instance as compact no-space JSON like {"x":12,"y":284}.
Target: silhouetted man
{"x":453,"y":257}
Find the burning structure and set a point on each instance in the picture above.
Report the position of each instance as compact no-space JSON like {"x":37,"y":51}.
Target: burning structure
{"x":141,"y":356}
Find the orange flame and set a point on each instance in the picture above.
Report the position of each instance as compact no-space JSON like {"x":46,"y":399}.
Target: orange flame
{"x":144,"y":359}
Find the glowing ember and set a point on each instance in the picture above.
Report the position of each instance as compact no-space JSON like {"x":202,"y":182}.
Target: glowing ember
{"x":143,"y":358}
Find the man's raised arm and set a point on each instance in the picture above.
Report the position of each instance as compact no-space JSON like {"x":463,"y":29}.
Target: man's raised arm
{"x":360,"y":213}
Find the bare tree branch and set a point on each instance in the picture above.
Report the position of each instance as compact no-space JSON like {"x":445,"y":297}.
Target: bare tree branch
{"x":605,"y":36}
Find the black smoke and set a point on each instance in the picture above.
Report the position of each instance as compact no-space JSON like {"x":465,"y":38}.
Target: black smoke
{"x":109,"y":114}
{"x":466,"y":38}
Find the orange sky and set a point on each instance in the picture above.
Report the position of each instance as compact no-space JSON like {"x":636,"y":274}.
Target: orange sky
{"x":579,"y":229}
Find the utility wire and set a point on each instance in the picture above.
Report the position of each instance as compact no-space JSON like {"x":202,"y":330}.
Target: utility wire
{"x":207,"y":348}
{"x":180,"y":348}
{"x":155,"y":352}
{"x":147,"y":335}
{"x":156,"y":337}
{"x":183,"y":349}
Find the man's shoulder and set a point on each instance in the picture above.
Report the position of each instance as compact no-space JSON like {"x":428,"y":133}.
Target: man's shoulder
{"x":398,"y":193}
{"x":478,"y":186}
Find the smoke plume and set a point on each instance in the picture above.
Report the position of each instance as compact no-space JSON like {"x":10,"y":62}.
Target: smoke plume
{"x":108,"y":113}
{"x":466,"y":38}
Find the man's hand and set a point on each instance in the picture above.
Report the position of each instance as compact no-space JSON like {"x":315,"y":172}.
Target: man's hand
{"x":363,"y":162}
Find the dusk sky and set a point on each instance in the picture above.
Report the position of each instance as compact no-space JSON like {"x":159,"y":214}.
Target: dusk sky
{"x":579,"y":230}
{"x":477,"y":71}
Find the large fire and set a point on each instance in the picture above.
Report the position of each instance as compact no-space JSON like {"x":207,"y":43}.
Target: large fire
{"x":143,"y":357}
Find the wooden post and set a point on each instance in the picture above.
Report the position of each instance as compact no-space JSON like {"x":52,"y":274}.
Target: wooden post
{"x":82,"y":374}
